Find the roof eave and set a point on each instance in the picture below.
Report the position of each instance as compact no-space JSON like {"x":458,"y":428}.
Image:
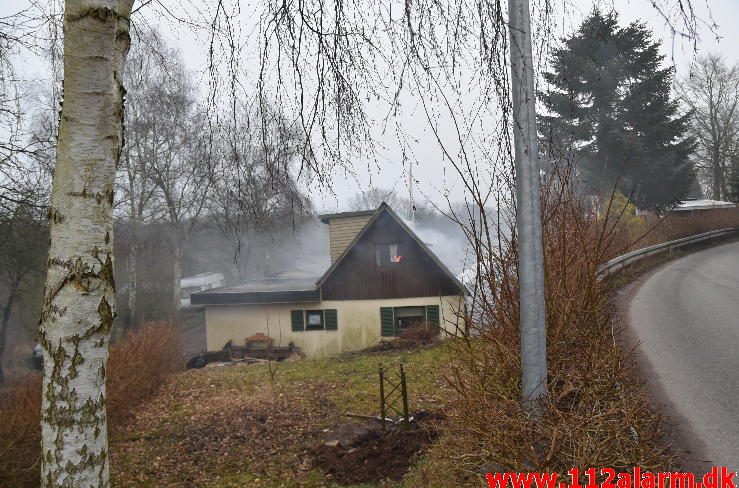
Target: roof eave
{"x":325,"y":218}
{"x":256,"y":297}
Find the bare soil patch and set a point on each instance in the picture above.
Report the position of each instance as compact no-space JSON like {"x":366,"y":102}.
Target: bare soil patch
{"x":361,"y":453}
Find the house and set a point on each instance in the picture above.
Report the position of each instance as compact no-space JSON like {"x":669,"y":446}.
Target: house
{"x":693,"y":206}
{"x":382,"y":279}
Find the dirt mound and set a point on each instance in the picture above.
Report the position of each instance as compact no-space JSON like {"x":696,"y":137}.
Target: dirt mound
{"x":360,"y":453}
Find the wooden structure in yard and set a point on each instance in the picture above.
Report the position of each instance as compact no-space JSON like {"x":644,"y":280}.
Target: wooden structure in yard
{"x":393,"y":396}
{"x":256,"y":347}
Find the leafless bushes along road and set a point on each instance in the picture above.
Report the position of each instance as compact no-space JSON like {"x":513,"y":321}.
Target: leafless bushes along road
{"x":598,"y":413}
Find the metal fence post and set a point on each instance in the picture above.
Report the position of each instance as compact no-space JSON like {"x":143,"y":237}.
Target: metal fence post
{"x":382,"y":397}
{"x":404,"y":393}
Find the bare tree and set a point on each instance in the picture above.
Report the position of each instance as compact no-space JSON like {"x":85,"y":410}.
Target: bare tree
{"x":22,"y":252}
{"x":734,"y":179}
{"x":373,"y":197}
{"x":19,"y":178}
{"x":26,"y":152}
{"x":711,"y":93}
{"x":180,"y":161}
{"x":145,"y":68}
{"x":167,"y":161}
{"x":254,"y":189}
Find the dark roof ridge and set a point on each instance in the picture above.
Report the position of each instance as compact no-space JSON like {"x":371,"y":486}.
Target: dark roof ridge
{"x":356,"y":213}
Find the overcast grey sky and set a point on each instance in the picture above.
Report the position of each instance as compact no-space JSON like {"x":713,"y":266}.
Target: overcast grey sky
{"x":434,"y":178}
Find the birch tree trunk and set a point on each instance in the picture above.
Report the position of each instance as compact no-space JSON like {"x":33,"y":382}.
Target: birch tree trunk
{"x":4,"y":330}
{"x":133,"y":248}
{"x":79,"y":298}
{"x":244,"y":253}
{"x":177,"y":278}
{"x":132,"y":278}
{"x":716,"y":173}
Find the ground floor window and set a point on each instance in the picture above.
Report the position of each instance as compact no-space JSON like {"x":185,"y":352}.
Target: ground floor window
{"x":314,"y":320}
{"x":406,"y":317}
{"x":395,"y":320}
{"x":308,"y":320}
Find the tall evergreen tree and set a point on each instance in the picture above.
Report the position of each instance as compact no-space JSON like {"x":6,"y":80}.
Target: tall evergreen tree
{"x":609,"y":107}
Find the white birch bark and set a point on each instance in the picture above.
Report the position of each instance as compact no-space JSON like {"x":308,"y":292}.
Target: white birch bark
{"x":132,"y":273}
{"x":177,"y":272}
{"x":79,"y":305}
{"x":4,"y":321}
{"x":133,"y":247}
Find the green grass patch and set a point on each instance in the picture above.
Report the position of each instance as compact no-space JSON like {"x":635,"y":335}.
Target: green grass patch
{"x":242,"y":426}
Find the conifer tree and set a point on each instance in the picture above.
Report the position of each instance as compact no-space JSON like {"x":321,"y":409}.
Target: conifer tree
{"x":609,"y":107}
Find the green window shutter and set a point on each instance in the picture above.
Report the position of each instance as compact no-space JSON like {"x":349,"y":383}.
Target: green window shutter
{"x":387,"y":321}
{"x":330,"y":319}
{"x":298,"y":320}
{"x":432,"y":315}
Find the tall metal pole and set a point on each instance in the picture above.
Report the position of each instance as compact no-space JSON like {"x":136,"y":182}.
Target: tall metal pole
{"x":528,"y":209}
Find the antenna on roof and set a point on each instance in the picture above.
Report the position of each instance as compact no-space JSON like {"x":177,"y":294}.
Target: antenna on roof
{"x":411,"y":206}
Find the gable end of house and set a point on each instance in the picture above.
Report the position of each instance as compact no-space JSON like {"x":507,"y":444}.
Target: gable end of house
{"x":387,"y":260}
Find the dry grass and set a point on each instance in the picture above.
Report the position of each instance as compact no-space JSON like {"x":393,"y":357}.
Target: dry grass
{"x":138,"y":366}
{"x":674,"y":226}
{"x":230,"y":427}
{"x":656,"y":230}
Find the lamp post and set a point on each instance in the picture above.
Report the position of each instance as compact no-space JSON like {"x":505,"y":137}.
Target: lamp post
{"x":528,"y":209}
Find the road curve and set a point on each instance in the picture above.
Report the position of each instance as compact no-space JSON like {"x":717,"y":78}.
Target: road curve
{"x":686,"y":317}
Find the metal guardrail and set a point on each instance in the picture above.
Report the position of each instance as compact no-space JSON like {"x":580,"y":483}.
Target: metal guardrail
{"x":621,"y":262}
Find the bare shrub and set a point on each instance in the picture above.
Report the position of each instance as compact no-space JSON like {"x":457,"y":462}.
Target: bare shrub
{"x":420,"y":333}
{"x":680,"y":224}
{"x":656,"y":229}
{"x":20,"y":432}
{"x":139,"y":364}
{"x":597,"y":414}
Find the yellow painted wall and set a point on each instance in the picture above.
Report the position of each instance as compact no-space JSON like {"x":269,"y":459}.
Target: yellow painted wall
{"x":358,"y":323}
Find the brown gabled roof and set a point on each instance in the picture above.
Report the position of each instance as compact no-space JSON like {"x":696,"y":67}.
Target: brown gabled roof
{"x":383,"y":208}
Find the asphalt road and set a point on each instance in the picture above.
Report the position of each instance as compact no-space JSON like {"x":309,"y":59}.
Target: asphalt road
{"x":686,"y":316}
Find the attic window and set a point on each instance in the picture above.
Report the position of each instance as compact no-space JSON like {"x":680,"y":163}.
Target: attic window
{"x":387,"y":254}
